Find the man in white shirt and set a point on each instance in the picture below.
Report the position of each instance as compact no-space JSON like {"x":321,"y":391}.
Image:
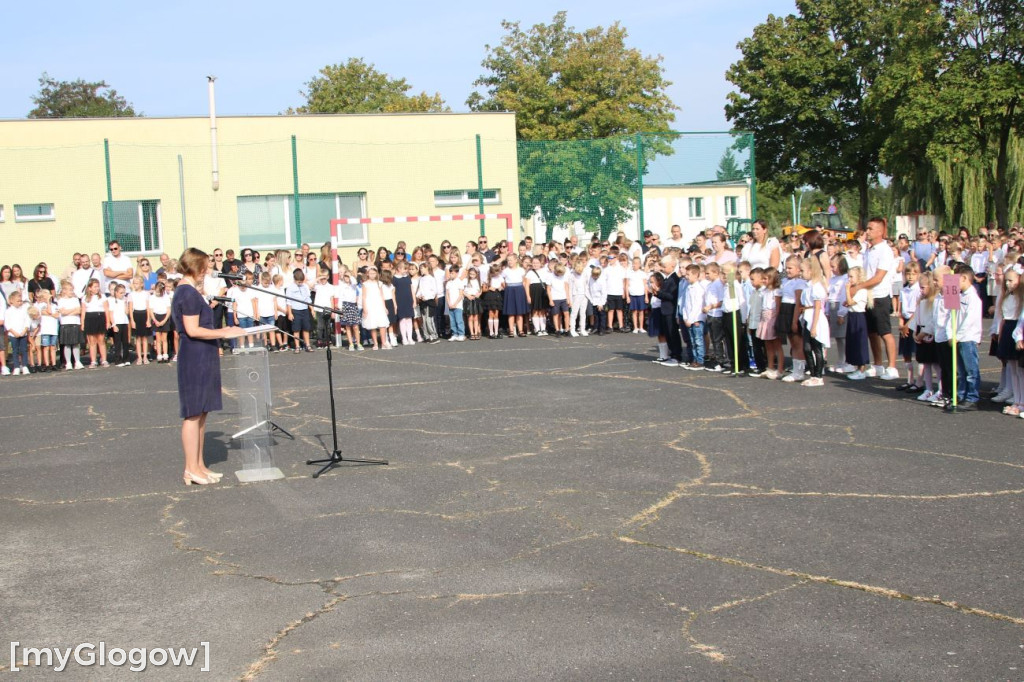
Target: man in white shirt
{"x":879,"y":269}
{"x":117,"y":266}
{"x":676,"y":239}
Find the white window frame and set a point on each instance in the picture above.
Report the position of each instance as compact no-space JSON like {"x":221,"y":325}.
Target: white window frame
{"x":159,"y":247}
{"x":51,"y":216}
{"x":289,"y":228}
{"x":735,"y":200}
{"x":697,"y":202}
{"x":464,"y":199}
{"x":1,"y":213}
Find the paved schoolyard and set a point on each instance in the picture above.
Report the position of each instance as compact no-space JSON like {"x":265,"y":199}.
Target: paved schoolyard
{"x":553,"y":509}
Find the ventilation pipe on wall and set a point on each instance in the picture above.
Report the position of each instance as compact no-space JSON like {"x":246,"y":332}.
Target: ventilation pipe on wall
{"x":213,"y":133}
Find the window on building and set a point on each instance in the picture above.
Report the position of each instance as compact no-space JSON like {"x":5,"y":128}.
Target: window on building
{"x":732,"y":207}
{"x":270,"y":220}
{"x":696,"y":207}
{"x":136,"y":225}
{"x":1,"y":213}
{"x":33,"y":213}
{"x":465,"y":197}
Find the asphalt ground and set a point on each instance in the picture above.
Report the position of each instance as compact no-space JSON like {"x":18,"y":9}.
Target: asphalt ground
{"x":553,"y":509}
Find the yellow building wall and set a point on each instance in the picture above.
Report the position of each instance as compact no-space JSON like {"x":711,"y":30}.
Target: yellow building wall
{"x":397,"y":161}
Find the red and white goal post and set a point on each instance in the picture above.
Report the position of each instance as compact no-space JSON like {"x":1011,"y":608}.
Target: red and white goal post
{"x":337,"y":223}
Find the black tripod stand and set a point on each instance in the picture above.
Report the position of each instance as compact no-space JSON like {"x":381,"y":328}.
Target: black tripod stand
{"x":335,"y":457}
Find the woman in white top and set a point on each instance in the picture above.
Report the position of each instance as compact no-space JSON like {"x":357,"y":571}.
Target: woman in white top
{"x":763,"y":251}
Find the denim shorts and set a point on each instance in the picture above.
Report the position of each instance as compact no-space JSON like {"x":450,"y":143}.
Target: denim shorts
{"x":47,"y":340}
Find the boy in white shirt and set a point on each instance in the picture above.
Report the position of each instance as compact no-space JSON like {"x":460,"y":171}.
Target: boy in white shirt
{"x":968,"y":336}
{"x":325,"y":295}
{"x":453,"y":298}
{"x":598,"y":297}
{"x":242,"y":309}
{"x":694,"y":316}
{"x":713,"y":296}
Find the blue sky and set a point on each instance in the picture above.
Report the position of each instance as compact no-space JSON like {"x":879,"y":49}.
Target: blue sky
{"x":158,"y":54}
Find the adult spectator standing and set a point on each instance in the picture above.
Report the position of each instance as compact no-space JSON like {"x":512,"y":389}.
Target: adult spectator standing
{"x":117,"y":266}
{"x":763,"y":251}
{"x":232,"y":264}
{"x":485,"y":250}
{"x":165,"y":260}
{"x":96,"y":262}
{"x":647,"y":241}
{"x":676,"y":238}
{"x":720,"y":245}
{"x":149,"y":278}
{"x":879,"y":268}
{"x":80,"y":277}
{"x":40,"y":280}
{"x":923,"y":248}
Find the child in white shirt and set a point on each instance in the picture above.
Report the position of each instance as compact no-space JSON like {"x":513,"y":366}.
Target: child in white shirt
{"x":16,"y":322}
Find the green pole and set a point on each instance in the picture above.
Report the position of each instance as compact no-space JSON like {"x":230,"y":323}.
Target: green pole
{"x":295,"y":193}
{"x":480,"y":182}
{"x":640,"y":187}
{"x":753,"y":181}
{"x":110,"y":193}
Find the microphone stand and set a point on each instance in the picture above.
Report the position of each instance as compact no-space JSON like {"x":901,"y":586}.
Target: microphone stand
{"x":335,"y":458}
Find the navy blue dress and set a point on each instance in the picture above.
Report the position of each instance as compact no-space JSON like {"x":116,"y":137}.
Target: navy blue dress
{"x":198,"y":359}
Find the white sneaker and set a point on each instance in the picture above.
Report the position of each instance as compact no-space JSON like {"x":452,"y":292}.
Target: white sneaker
{"x":573,"y":333}
{"x":857,"y":375}
{"x":793,"y":378}
{"x":937,"y":399}
{"x":584,"y":333}
{"x":926,"y":397}
{"x":6,"y":371}
{"x":846,"y":369}
{"x":658,"y":361}
{"x":79,"y":365}
{"x":1001,"y":397}
{"x":813,"y":381}
{"x":671,"y":362}
{"x":871,"y":372}
{"x":890,"y":374}
{"x":714,"y":368}
{"x":636,"y":331}
{"x":771,"y":374}
{"x":68,"y":366}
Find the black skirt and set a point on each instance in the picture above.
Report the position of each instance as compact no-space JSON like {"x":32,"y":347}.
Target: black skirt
{"x":1006,"y":349}
{"x":492,"y":300}
{"x":141,"y":319}
{"x":784,"y":322}
{"x":539,"y":298}
{"x":95,"y":323}
{"x":472,"y":306}
{"x":71,"y":335}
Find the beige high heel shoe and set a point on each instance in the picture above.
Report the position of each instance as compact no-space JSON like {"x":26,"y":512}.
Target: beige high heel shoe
{"x":192,"y":479}
{"x":214,"y":476}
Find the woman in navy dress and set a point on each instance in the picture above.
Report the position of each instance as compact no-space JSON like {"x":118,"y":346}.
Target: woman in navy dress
{"x":198,"y":362}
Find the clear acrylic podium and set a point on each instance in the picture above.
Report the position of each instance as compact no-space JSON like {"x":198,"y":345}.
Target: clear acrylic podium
{"x":256,"y":429}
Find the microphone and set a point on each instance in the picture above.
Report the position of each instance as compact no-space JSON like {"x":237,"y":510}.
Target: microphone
{"x":231,"y":277}
{"x":222,"y":299}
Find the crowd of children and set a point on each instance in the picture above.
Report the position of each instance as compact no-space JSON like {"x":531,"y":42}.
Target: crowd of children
{"x":709,"y":309}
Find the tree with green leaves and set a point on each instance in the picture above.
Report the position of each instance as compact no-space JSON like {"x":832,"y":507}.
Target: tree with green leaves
{"x":78,"y":99}
{"x":803,"y":88}
{"x":566,"y":85}
{"x":356,"y":87}
{"x":960,"y":108}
